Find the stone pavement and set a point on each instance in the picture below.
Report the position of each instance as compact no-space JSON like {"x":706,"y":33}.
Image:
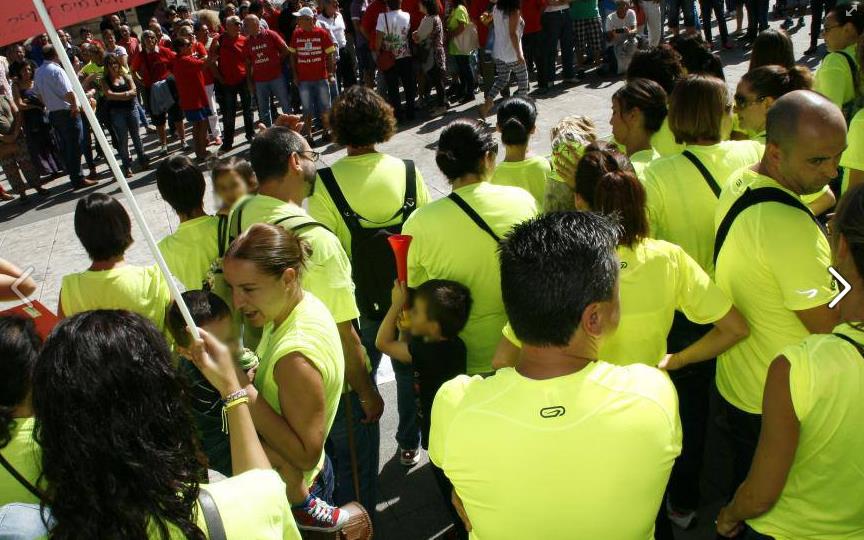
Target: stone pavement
{"x":40,"y":234}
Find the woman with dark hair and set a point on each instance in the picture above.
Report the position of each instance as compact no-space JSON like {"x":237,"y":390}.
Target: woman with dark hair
{"x":639,"y":110}
{"x":662,"y":65}
{"x":457,"y":22}
{"x":457,"y":237}
{"x":808,"y":469}
{"x":120,"y":94}
{"x":853,"y":158}
{"x":120,"y":455}
{"x":104,"y":229}
{"x":696,"y":56}
{"x":517,"y":119}
{"x":772,"y":47}
{"x":507,"y":23}
{"x":19,"y":347}
{"x":759,"y":88}
{"x":37,"y":131}
{"x":299,"y":381}
{"x":430,"y":37}
{"x":839,"y":75}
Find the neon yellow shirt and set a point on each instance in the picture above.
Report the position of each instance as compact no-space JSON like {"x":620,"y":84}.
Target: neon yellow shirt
{"x":656,"y":279}
{"x":833,"y":78}
{"x":140,"y":289}
{"x":310,"y":331}
{"x":328,"y":273}
{"x":191,"y":250}
{"x":25,"y":456}
{"x":853,"y":156}
{"x":448,"y":245}
{"x":664,"y":141}
{"x":774,"y":262}
{"x":373,"y":185}
{"x":680,"y":203}
{"x":641,"y":160}
{"x":611,"y":432}
{"x":458,"y":15}
{"x":819,"y":501}
{"x":529,"y":174}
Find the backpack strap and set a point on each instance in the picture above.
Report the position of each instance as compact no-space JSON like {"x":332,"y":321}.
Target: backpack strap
{"x":853,"y":67}
{"x":23,"y":481}
{"x":222,"y":234}
{"x":212,"y":518}
{"x":475,"y":217}
{"x":238,"y":212}
{"x":410,"y":202}
{"x":706,"y":174}
{"x":859,"y":347}
{"x":753,"y":197}
{"x":300,"y":226}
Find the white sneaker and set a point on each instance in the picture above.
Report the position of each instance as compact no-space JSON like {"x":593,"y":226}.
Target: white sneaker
{"x":683,"y":519}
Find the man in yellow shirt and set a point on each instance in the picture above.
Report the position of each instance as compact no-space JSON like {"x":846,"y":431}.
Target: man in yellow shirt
{"x":561,"y":414}
{"x":772,"y":259}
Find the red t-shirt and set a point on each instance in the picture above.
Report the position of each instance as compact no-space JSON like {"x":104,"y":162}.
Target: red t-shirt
{"x":531,"y":12}
{"x":312,"y":49}
{"x":370,"y":20}
{"x":232,"y":62}
{"x":199,"y":49}
{"x":475,"y":9}
{"x":412,"y":8}
{"x":189,"y":75}
{"x":153,"y":66}
{"x":273,"y":19}
{"x":263,"y":52}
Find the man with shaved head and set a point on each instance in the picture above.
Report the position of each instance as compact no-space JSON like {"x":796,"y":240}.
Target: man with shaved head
{"x":265,"y":52}
{"x":772,"y":256}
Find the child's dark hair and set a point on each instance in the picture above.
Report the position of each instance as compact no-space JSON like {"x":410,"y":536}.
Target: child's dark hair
{"x":103,"y":226}
{"x":204,"y":306}
{"x":462,"y":148}
{"x":19,"y":348}
{"x":448,"y":303}
{"x":181,"y":184}
{"x":238,"y":165}
{"x":517,"y":117}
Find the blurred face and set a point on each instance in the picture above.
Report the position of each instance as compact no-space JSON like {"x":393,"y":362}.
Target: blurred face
{"x":260,"y":297}
{"x":109,"y":39}
{"x":149,"y":42}
{"x":812,"y":158}
{"x":250,"y":24}
{"x":751,"y":109}
{"x":115,"y":21}
{"x":87,"y":35}
{"x":223,"y":330}
{"x":18,"y":53}
{"x":230,"y":10}
{"x":124,"y":33}
{"x":230,"y":187}
{"x":305,"y":23}
{"x":113,"y":67}
{"x":420,"y":323}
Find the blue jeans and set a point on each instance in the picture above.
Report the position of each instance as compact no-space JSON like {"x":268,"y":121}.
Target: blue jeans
{"x":315,"y":97}
{"x":408,"y":431}
{"x":70,"y":133}
{"x":324,"y":482}
{"x":125,"y":123}
{"x":18,"y":520}
{"x":367,"y":438}
{"x":264,"y":90}
{"x":557,"y":27}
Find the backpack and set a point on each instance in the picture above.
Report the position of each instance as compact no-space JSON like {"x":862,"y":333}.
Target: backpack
{"x":856,"y":103}
{"x":373,"y":266}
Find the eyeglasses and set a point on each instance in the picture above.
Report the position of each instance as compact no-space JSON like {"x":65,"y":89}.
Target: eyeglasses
{"x":741,"y":102}
{"x":827,"y":28}
{"x":311,"y":155}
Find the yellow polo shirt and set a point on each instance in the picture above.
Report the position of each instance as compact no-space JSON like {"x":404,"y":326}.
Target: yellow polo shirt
{"x":529,"y":174}
{"x":191,"y":250}
{"x":663,"y":141}
{"x":25,"y":456}
{"x":641,"y":160}
{"x":853,"y":156}
{"x":833,"y":78}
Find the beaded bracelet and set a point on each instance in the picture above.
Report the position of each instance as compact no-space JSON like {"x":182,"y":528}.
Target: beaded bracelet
{"x":232,"y":400}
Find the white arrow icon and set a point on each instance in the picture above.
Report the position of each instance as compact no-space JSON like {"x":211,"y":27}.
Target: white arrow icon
{"x":851,"y":10}
{"x":21,"y":296}
{"x":841,"y":281}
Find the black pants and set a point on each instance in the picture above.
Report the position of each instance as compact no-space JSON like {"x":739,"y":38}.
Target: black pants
{"x":446,"y":489}
{"x":706,"y":7}
{"x":346,"y":67}
{"x":531,"y":51}
{"x":757,"y":16}
{"x":466,"y":76}
{"x":693,"y":384}
{"x":435,"y":78}
{"x":557,"y":27}
{"x":819,"y":8}
{"x":744,"y":436}
{"x":228,"y":104}
{"x":402,"y":71}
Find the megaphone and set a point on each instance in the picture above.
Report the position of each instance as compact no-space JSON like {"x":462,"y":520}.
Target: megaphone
{"x":399,"y":243}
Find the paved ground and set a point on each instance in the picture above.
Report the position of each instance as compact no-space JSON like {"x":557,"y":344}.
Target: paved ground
{"x":40,"y":234}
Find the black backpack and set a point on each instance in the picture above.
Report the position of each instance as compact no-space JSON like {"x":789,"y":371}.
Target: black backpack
{"x":373,"y":266}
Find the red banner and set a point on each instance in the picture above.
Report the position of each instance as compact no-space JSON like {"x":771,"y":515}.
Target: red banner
{"x":19,"y":21}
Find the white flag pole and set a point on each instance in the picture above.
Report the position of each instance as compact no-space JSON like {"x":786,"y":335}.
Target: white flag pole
{"x":84,"y":102}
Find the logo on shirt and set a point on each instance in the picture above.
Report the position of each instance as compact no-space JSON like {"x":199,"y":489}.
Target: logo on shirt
{"x":809,"y":293}
{"x":552,"y":412}
{"x":623,"y":265}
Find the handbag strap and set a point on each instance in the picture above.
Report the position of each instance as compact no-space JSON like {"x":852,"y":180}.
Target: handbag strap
{"x":859,"y":347}
{"x":23,"y":481}
{"x":475,"y":217}
{"x":215,"y":526}
{"x":706,"y":174}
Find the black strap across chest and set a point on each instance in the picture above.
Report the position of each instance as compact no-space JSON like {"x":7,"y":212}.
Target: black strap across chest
{"x":859,"y":347}
{"x":21,"y":480}
{"x":706,"y":174}
{"x":475,"y":217}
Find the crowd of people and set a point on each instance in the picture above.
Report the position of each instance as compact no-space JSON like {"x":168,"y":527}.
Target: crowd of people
{"x":563,"y":321}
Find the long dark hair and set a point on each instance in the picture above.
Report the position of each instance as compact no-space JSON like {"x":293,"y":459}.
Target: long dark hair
{"x":119,"y":448}
{"x":19,"y":347}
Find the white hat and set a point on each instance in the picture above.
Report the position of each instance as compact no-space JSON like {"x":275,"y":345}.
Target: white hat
{"x":305,"y":12}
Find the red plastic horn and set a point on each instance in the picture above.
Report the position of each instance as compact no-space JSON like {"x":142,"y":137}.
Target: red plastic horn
{"x":400,"y":243}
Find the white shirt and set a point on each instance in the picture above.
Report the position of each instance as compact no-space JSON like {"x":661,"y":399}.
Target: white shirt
{"x":614,"y":22}
{"x":336,"y":25}
{"x":396,"y":26}
{"x":503,"y":49}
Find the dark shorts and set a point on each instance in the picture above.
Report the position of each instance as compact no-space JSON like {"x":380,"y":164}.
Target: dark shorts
{"x":197,"y":115}
{"x":364,"y":58}
{"x":174,"y":113}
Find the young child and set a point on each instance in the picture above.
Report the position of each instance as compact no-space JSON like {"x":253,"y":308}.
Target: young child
{"x":313,"y":63}
{"x":188,"y":71}
{"x":570,"y":136}
{"x":517,"y":117}
{"x":233,"y":178}
{"x":430,"y":338}
{"x":213,"y":315}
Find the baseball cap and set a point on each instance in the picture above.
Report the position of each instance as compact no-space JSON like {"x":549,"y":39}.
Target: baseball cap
{"x":305,"y":12}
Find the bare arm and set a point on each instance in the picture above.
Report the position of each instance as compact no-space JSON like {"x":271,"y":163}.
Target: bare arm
{"x":116,"y":96}
{"x":775,"y":453}
{"x":9,"y":273}
{"x":356,"y":374}
{"x":387,"y":340}
{"x":212,"y":59}
{"x":728,"y":331}
{"x":514,"y":34}
{"x":824,"y":203}
{"x":819,"y":320}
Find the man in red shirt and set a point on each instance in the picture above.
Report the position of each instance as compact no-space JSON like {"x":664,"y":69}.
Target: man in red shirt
{"x":188,"y":69}
{"x":265,"y":51}
{"x":370,"y":21}
{"x":151,"y":67}
{"x":313,"y":63}
{"x":228,"y":65}
{"x":531,"y":42}
{"x":199,"y":50}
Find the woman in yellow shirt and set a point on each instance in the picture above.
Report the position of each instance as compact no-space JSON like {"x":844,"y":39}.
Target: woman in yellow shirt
{"x":120,"y":456}
{"x":839,"y":75}
{"x":517,"y":117}
{"x":103,"y":227}
{"x":19,"y":347}
{"x":638,"y":111}
{"x":808,"y":470}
